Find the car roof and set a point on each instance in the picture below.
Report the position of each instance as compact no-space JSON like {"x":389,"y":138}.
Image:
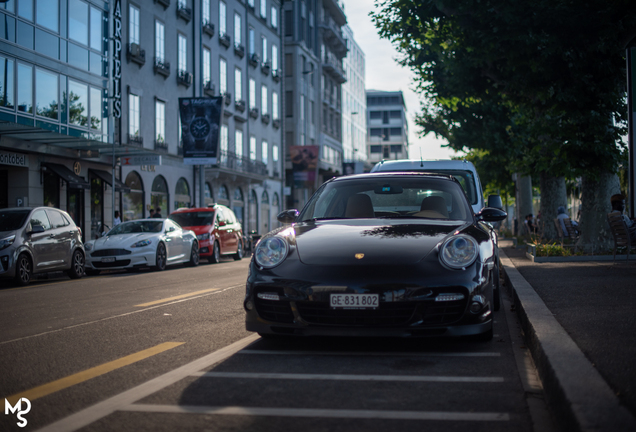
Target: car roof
{"x":416,"y":164}
{"x":212,"y":207}
{"x":382,"y":174}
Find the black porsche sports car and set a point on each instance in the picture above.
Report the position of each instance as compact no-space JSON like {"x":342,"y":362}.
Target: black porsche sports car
{"x":382,"y":254}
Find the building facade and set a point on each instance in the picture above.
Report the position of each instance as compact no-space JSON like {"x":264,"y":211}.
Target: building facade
{"x":388,"y":126}
{"x":89,"y":85}
{"x":354,"y":105}
{"x":314,"y":73}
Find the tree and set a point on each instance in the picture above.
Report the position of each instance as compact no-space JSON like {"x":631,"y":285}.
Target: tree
{"x":543,"y":82}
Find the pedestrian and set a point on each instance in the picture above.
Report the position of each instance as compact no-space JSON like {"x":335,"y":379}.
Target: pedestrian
{"x":618,"y":206}
{"x":117,"y":219}
{"x":152,"y":213}
{"x":530,"y":227}
{"x":157,"y":213}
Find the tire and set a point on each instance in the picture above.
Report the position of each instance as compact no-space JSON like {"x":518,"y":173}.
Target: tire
{"x":194,"y":255}
{"x":216,"y":254}
{"x":23,"y":270}
{"x":78,"y":266}
{"x":496,"y":292}
{"x":239,"y":252}
{"x":161,"y":257}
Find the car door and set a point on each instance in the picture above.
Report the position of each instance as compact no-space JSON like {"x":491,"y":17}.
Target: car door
{"x":223,"y":229}
{"x":174,"y":241}
{"x":42,"y":243}
{"x":233,"y":230}
{"x":62,"y":236}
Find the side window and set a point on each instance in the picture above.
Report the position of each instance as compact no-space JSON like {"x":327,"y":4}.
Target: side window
{"x":231,"y":219}
{"x":56,"y":218}
{"x":39,"y":218}
{"x":220,"y":215}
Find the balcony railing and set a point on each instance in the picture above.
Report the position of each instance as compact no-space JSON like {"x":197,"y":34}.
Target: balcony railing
{"x":266,"y":67}
{"x":227,"y":97}
{"x":161,"y":145}
{"x":136,"y":54}
{"x":239,"y":50}
{"x":164,"y":3}
{"x":239,"y":105}
{"x":231,"y":160}
{"x":224,"y":39}
{"x":254,"y":112}
{"x":276,"y":75}
{"x":135,"y":140}
{"x":162,"y":67}
{"x":254,"y":59}
{"x":184,"y":12}
{"x":265,"y":118}
{"x":208,"y":88}
{"x":276,"y":123}
{"x":184,"y":78}
{"x":208,"y":28}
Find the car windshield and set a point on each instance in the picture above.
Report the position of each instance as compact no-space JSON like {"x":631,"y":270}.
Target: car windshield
{"x":193,"y":218}
{"x":13,"y":220}
{"x":137,"y":227}
{"x":389,"y":197}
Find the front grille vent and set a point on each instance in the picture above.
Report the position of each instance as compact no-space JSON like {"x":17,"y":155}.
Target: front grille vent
{"x":110,"y":252}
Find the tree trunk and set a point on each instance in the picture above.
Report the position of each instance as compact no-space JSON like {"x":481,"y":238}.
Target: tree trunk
{"x":524,"y":201}
{"x":595,"y":204}
{"x":553,"y":195}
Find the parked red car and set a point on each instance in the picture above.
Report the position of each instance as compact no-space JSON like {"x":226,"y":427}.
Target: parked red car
{"x":217,"y":228}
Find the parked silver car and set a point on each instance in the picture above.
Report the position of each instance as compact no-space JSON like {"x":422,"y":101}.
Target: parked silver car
{"x":39,"y":240}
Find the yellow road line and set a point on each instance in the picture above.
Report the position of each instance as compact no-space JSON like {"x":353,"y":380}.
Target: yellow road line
{"x":71,"y":380}
{"x":166,"y":300}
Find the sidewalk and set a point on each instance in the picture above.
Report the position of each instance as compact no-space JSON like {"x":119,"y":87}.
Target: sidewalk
{"x":580,"y":324}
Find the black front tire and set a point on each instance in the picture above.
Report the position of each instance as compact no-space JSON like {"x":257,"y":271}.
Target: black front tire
{"x":162,"y":258}
{"x":78,"y":265}
{"x":239,"y":252}
{"x":216,"y":254}
{"x":23,"y":270}
{"x":194,"y":255}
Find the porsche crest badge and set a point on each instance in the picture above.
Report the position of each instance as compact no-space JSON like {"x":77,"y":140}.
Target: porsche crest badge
{"x":359,"y":255}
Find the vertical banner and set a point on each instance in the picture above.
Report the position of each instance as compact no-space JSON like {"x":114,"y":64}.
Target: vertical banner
{"x":200,"y":126}
{"x":304,"y":165}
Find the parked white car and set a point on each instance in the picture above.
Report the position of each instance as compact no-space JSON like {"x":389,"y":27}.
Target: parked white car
{"x":154,"y":243}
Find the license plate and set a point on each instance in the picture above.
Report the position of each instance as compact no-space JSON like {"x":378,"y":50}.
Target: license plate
{"x":354,"y":301}
{"x":108,"y":259}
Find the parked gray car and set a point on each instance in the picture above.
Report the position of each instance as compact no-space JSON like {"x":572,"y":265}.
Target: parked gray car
{"x":39,"y":240}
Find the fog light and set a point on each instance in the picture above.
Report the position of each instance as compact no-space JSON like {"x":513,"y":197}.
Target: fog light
{"x":268,"y":296}
{"x":485,"y":315}
{"x":477,"y":304}
{"x":249,"y":305}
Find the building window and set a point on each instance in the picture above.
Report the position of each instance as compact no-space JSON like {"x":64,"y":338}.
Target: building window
{"x":264,"y":152}
{"x":133,"y":25}
{"x":238,"y":143}
{"x":47,"y":14}
{"x":289,"y":65}
{"x":222,"y":18}
{"x":160,"y":41}
{"x":274,"y":18}
{"x":302,"y":107}
{"x":77,"y":21}
{"x":133,"y":114}
{"x":275,"y":115}
{"x":275,"y":153}
{"x":251,"y":41}
{"x":264,"y":9}
{"x":7,"y":78}
{"x":252,"y":93}
{"x":224,"y":140}
{"x":46,"y":94}
{"x":222,"y":76}
{"x":207,"y":65}
{"x":238,"y":84}
{"x":252,"y":148}
{"x":264,"y":99}
{"x":160,"y":121}
{"x":183,"y":53}
{"x":96,"y":108}
{"x":289,"y":103}
{"x":289,"y":23}
{"x":205,"y":11}
{"x":274,"y":57}
{"x":238,"y":36}
{"x":264,"y":46}
{"x":78,"y":103}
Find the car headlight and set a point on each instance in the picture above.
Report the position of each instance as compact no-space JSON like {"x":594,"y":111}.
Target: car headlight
{"x":271,"y":252}
{"x":7,"y":241}
{"x":141,"y":243}
{"x":88,"y":246}
{"x":459,"y":251}
{"x":205,"y":236}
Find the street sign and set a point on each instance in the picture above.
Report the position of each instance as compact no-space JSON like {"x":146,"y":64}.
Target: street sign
{"x":141,"y":160}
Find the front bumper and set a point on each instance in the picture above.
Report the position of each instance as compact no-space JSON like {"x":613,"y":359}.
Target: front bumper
{"x":143,"y":257}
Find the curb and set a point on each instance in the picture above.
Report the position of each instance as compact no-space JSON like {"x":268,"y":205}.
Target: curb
{"x":583,"y":258}
{"x":577,"y":395}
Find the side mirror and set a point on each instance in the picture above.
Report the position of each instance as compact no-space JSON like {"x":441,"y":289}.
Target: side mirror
{"x":103,"y":233}
{"x":489,"y":214}
{"x":35,"y":229}
{"x":494,"y":201}
{"x":287,"y":216}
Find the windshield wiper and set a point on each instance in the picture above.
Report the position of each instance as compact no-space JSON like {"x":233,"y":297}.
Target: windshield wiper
{"x":323,"y":218}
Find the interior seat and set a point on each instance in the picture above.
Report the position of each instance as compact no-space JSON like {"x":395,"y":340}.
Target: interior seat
{"x":359,"y":206}
{"x":435,"y":203}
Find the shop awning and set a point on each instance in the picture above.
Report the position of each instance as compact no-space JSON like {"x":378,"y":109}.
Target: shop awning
{"x":108,"y":178}
{"x":72,"y":180}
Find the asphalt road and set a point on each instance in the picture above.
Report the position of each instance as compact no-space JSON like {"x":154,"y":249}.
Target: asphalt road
{"x":168,"y":351}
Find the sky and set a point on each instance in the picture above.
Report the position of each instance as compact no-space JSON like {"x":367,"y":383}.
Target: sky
{"x":384,"y":73}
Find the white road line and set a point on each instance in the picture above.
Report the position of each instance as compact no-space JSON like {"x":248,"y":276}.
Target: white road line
{"x":374,"y":354}
{"x":322,"y":413}
{"x":119,"y":402}
{"x":337,"y":377}
{"x":121,"y":315}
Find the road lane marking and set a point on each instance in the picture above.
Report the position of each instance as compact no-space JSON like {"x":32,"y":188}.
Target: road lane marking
{"x":321,"y":413}
{"x":179,"y":297}
{"x":120,"y":315}
{"x":80,"y":377}
{"x":340,"y":377}
{"x":376,"y":354}
{"x":119,"y":402}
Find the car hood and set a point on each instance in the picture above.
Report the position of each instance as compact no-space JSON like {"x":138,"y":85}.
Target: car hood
{"x":387,"y":243}
{"x":5,"y":234}
{"x":120,"y":240}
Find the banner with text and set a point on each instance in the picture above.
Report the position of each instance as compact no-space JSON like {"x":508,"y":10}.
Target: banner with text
{"x":200,"y":129}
